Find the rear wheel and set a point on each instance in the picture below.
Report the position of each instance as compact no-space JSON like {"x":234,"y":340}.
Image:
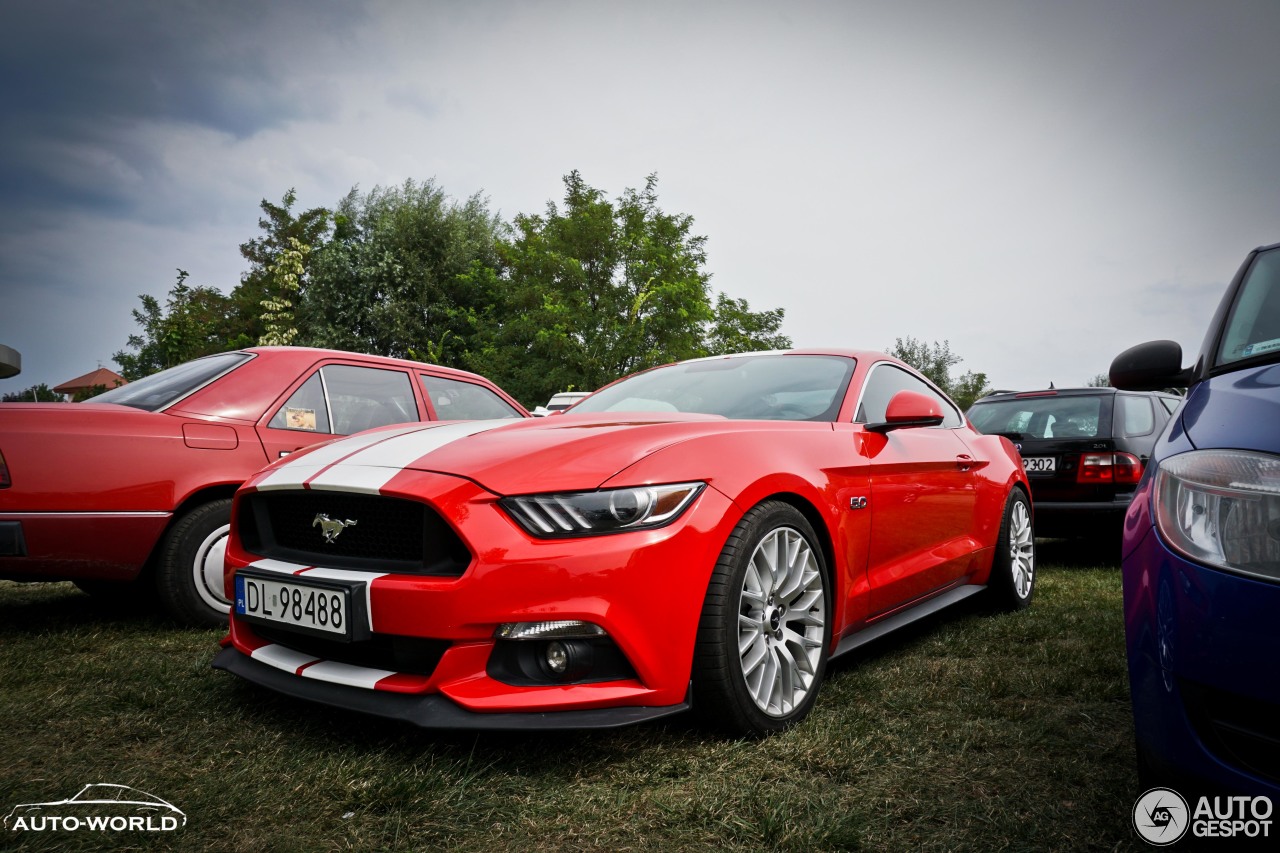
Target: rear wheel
{"x":189,"y":573}
{"x":1013,"y":570}
{"x":764,"y":633}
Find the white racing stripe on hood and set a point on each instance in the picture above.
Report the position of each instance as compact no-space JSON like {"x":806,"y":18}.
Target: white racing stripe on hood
{"x":367,"y":466}
{"x":291,"y":475}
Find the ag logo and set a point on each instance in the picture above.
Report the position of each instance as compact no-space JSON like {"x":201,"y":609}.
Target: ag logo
{"x":1161,"y":816}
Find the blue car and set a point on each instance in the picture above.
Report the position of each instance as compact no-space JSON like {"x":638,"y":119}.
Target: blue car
{"x":1201,"y":564}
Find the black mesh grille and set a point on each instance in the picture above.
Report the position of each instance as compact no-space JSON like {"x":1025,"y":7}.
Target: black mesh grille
{"x":377,"y":533}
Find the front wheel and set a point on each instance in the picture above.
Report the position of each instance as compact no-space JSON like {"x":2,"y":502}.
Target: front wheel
{"x":1013,"y":570}
{"x":189,"y":574}
{"x":765,"y":630}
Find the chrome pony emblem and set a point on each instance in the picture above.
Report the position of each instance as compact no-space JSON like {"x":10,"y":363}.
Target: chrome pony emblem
{"x":331,"y":527}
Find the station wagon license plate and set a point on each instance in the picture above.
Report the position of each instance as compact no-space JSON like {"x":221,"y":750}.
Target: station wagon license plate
{"x":1040,"y":464}
{"x":309,"y":607}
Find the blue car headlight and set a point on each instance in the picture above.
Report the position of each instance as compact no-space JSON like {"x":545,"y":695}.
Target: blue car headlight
{"x":1222,"y":508}
{"x":551,"y":516}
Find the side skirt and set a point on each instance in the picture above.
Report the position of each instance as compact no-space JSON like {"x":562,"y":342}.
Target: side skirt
{"x":906,"y":617}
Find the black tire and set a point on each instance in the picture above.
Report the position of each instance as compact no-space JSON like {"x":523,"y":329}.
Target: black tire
{"x":1013,"y":568}
{"x":773,"y":684}
{"x":189,"y":569}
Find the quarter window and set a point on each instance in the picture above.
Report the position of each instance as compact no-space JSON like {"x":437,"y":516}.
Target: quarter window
{"x":454,"y":400}
{"x":1136,"y":415}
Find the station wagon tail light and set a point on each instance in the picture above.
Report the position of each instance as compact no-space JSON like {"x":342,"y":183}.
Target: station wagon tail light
{"x":5,"y":482}
{"x":1222,"y":508}
{"x":1109,"y":468}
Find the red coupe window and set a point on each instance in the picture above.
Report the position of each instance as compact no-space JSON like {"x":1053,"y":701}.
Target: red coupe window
{"x":154,"y":392}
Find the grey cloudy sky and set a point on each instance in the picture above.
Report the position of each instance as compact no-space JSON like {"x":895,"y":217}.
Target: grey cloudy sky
{"x":1040,"y":183}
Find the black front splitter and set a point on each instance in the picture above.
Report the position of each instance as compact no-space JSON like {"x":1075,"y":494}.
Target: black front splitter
{"x":431,"y":711}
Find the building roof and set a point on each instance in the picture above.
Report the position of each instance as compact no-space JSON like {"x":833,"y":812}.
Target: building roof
{"x":106,"y":378}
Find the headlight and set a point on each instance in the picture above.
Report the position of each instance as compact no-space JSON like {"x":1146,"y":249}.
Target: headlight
{"x":1222,"y":508}
{"x":606,"y":511}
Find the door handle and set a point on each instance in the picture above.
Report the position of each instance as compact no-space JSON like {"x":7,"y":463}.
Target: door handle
{"x":964,"y":462}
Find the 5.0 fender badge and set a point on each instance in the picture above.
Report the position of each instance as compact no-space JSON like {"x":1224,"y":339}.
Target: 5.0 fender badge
{"x":331,"y":527}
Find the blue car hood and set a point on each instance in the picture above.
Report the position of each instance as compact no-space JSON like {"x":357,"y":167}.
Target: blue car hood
{"x":1239,"y":410}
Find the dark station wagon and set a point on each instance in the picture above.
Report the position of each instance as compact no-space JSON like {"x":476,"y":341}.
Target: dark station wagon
{"x":1084,"y":450}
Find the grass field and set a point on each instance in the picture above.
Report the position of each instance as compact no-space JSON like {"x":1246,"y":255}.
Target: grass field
{"x":969,"y":732}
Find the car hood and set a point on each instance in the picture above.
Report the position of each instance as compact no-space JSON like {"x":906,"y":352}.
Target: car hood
{"x":1237,"y":410}
{"x":558,"y":453}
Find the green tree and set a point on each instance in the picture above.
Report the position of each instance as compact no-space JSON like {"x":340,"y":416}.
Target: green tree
{"x":194,"y":321}
{"x":599,"y":288}
{"x":407,"y":273}
{"x":89,"y":393}
{"x":277,"y":307}
{"x":283,"y":232}
{"x":41,"y":393}
{"x":736,"y":328}
{"x":935,"y":361}
{"x":1100,"y":380}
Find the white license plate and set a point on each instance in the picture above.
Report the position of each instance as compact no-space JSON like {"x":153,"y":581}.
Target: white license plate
{"x":1040,"y":464}
{"x":301,"y":605}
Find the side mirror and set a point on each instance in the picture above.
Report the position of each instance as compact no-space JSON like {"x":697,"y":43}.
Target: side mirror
{"x":910,"y":409}
{"x":1150,"y":367}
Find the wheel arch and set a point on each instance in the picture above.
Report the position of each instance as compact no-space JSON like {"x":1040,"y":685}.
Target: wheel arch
{"x":816,"y":520}
{"x":199,"y":497}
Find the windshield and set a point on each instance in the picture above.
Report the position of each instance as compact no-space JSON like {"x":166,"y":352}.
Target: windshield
{"x":154,"y":392}
{"x":758,"y":387}
{"x":1253,"y":322}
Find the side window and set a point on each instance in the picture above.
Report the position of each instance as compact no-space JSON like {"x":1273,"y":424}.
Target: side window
{"x":305,"y":409}
{"x":454,"y":400}
{"x":1136,"y":417}
{"x":1170,"y":403}
{"x":341,"y":399}
{"x":367,"y":397}
{"x":885,"y":381}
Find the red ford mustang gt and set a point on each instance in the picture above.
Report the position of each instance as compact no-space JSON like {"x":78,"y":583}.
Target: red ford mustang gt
{"x":138,"y":482}
{"x":706,"y":533}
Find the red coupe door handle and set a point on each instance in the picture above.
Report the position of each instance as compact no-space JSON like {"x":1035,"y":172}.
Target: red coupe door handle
{"x":964,"y":462}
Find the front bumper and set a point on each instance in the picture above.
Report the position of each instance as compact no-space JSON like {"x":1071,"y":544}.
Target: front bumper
{"x":431,"y":711}
{"x":1202,"y":646}
{"x":644,"y":588}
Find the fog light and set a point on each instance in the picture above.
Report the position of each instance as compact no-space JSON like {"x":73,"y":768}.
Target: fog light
{"x":557,"y":658}
{"x":568,"y":660}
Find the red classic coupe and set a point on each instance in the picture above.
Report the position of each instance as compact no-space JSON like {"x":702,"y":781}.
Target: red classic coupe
{"x":706,"y":533}
{"x":136,"y":485}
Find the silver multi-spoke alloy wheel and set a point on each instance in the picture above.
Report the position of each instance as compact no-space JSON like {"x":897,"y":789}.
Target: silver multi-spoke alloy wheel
{"x":1022,"y":550}
{"x":207,"y":569}
{"x":781,"y":621}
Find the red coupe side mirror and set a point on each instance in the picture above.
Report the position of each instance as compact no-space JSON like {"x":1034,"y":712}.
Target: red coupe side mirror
{"x":909,"y":409}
